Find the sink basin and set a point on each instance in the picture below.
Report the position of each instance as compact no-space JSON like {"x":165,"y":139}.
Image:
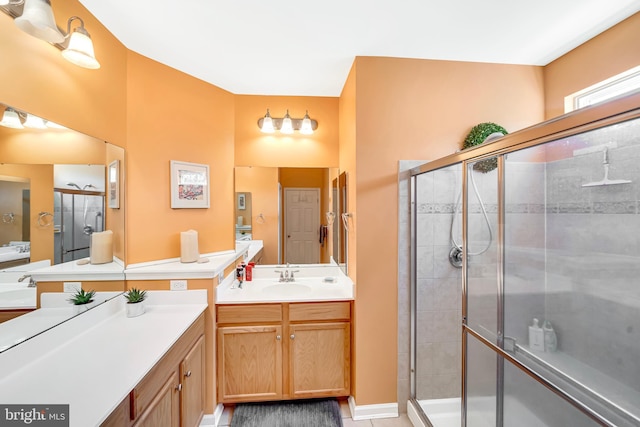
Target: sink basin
{"x":287,"y":289}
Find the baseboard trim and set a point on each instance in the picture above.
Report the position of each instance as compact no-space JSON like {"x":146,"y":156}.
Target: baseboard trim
{"x":367,"y":412}
{"x":212,"y":419}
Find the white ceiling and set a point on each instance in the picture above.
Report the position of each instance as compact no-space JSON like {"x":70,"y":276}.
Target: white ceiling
{"x":293,"y":47}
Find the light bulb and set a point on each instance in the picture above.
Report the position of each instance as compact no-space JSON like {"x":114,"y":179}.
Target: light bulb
{"x":11,"y":119}
{"x":287,"y":125}
{"x":80,"y":50}
{"x":267,"y":123}
{"x":34,"y":122}
{"x":305,"y":128}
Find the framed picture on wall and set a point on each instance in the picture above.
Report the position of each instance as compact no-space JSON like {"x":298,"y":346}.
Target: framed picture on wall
{"x":114,"y":184}
{"x":242,"y":201}
{"x":189,"y":185}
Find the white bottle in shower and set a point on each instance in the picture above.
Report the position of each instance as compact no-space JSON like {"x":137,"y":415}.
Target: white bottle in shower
{"x":550,"y":338}
{"x":536,"y":336}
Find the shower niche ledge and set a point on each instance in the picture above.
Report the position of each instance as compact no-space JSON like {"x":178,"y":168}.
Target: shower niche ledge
{"x":613,"y":398}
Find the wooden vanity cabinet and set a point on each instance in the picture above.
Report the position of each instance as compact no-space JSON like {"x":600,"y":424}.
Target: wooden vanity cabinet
{"x":172,"y":394}
{"x":283,"y":351}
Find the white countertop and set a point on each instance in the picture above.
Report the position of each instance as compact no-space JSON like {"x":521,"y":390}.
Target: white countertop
{"x":73,"y":271}
{"x":174,"y":269}
{"x":93,"y":361}
{"x":309,"y":286}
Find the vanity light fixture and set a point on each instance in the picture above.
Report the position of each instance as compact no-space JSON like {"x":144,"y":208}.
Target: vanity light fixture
{"x":11,"y":119}
{"x":34,"y":122}
{"x":267,"y":123}
{"x":80,"y":48}
{"x":37,"y":20}
{"x":287,"y":124}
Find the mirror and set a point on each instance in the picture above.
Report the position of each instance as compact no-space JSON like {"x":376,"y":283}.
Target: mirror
{"x":53,"y":195}
{"x":287,"y":209}
{"x":340,"y":230}
{"x":243,"y":216}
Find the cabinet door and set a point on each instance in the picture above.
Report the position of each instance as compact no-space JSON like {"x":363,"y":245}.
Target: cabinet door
{"x":164,"y":410}
{"x":319,"y":359}
{"x":193,"y":384}
{"x":249,"y":363}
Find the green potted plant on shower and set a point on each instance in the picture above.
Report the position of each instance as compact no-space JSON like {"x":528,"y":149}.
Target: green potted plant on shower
{"x":479,"y":134}
{"x":82,"y":300}
{"x":135,"y":302}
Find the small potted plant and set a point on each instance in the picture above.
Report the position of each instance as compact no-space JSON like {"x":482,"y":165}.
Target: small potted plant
{"x":135,"y":305}
{"x":81,"y":300}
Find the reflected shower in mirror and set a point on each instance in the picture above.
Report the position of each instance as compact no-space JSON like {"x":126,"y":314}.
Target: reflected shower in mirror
{"x":287,"y":209}
{"x":42,"y":168}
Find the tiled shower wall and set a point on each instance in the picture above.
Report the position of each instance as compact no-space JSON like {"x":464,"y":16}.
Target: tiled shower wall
{"x":438,"y":317}
{"x":593,"y":254}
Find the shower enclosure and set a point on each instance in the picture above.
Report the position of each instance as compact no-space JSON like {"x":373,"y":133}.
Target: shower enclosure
{"x":542,"y":225}
{"x":77,"y":214}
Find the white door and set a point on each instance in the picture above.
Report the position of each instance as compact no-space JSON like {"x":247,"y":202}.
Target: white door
{"x":302,"y":225}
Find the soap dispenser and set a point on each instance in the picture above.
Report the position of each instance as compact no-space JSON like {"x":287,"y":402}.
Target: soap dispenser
{"x":550,"y":338}
{"x":536,"y":336}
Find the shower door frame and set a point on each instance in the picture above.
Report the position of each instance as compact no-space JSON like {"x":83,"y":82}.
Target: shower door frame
{"x":73,"y":193}
{"x":590,"y":118}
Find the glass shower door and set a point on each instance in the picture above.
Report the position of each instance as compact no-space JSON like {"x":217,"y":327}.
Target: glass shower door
{"x":436,"y":295}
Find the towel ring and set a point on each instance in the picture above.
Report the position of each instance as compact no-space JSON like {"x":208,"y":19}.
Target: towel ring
{"x":260,"y":219}
{"x":8,"y":217}
{"x":42,"y":221}
{"x":345,"y":220}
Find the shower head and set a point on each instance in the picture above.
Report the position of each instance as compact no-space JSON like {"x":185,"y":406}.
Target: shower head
{"x":73,"y":184}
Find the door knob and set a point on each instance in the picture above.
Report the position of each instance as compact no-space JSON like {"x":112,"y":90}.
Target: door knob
{"x":188,"y":374}
{"x":179,"y":387}
{"x":293,"y":336}
{"x":278,"y":337}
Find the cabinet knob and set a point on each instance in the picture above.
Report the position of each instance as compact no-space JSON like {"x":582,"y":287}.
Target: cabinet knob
{"x":179,"y":387}
{"x":278,"y":337}
{"x":293,"y":336}
{"x":188,"y":374}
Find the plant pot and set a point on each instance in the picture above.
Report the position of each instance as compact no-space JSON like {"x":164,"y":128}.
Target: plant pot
{"x":81,"y":308}
{"x":134,"y":309}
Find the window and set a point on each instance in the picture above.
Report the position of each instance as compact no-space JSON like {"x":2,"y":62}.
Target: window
{"x":622,"y":84}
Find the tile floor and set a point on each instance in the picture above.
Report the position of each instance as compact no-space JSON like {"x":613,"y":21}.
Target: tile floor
{"x":401,"y":421}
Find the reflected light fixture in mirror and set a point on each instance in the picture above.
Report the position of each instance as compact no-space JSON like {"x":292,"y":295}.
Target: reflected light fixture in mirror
{"x":287,"y":124}
{"x":11,"y":119}
{"x":34,"y":122}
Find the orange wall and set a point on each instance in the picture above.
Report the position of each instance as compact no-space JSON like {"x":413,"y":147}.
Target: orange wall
{"x":610,"y":53}
{"x":254,"y":148}
{"x":413,"y":109}
{"x":172,"y":116}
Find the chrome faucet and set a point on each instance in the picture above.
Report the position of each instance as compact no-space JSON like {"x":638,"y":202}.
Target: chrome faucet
{"x":32,"y":283}
{"x":287,"y":276}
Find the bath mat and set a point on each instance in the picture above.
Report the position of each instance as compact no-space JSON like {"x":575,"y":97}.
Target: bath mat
{"x":292,"y":413}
